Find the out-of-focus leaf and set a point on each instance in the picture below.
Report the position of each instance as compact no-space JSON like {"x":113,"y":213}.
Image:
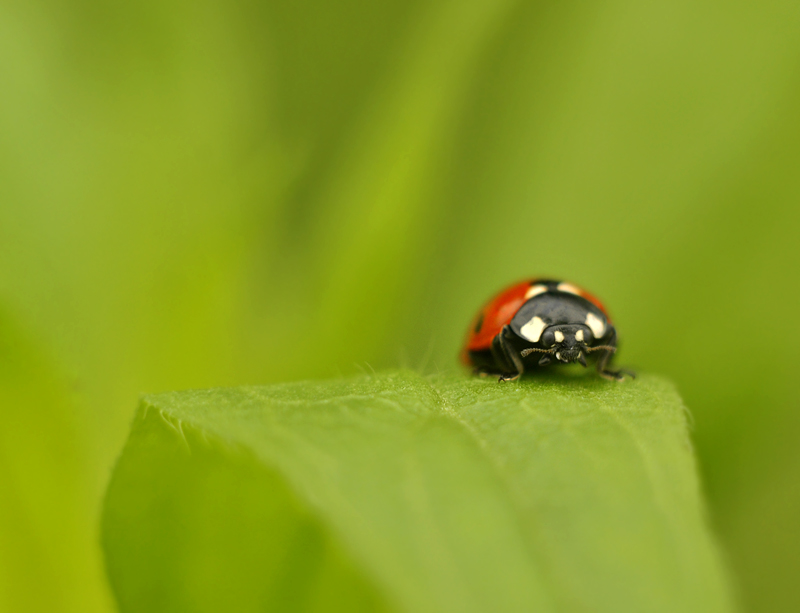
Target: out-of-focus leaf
{"x":42,"y":468}
{"x":400,"y":493}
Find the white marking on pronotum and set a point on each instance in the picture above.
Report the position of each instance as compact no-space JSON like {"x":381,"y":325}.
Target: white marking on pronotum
{"x":533,"y":329}
{"x":596,"y":325}
{"x":558,"y":355}
{"x":569,"y":288}
{"x":579,"y":336}
{"x":535,"y":290}
{"x":559,"y":336}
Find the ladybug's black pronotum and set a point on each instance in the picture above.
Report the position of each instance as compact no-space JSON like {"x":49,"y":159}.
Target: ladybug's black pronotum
{"x":531,"y":324}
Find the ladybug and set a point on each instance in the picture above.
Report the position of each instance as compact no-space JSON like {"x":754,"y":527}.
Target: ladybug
{"x":533,"y":323}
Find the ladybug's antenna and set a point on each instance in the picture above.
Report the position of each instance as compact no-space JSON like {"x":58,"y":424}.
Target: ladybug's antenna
{"x":610,"y":348}
{"x":526,"y":352}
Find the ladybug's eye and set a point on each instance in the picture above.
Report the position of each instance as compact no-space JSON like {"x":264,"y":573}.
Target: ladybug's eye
{"x":549,"y":338}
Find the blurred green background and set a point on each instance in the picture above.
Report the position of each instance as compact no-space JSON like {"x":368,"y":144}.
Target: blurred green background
{"x":215,"y":193}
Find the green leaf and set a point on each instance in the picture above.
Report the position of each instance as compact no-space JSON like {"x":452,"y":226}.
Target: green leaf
{"x":47,"y":525}
{"x":402,"y":493}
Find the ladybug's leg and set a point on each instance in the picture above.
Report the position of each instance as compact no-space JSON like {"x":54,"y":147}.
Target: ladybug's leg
{"x":605,"y":358}
{"x":506,"y":354}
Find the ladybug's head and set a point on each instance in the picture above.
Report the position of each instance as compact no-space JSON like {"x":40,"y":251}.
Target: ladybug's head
{"x":567,"y":343}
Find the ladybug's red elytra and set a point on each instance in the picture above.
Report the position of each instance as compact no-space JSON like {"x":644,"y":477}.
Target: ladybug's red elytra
{"x":533,"y":323}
